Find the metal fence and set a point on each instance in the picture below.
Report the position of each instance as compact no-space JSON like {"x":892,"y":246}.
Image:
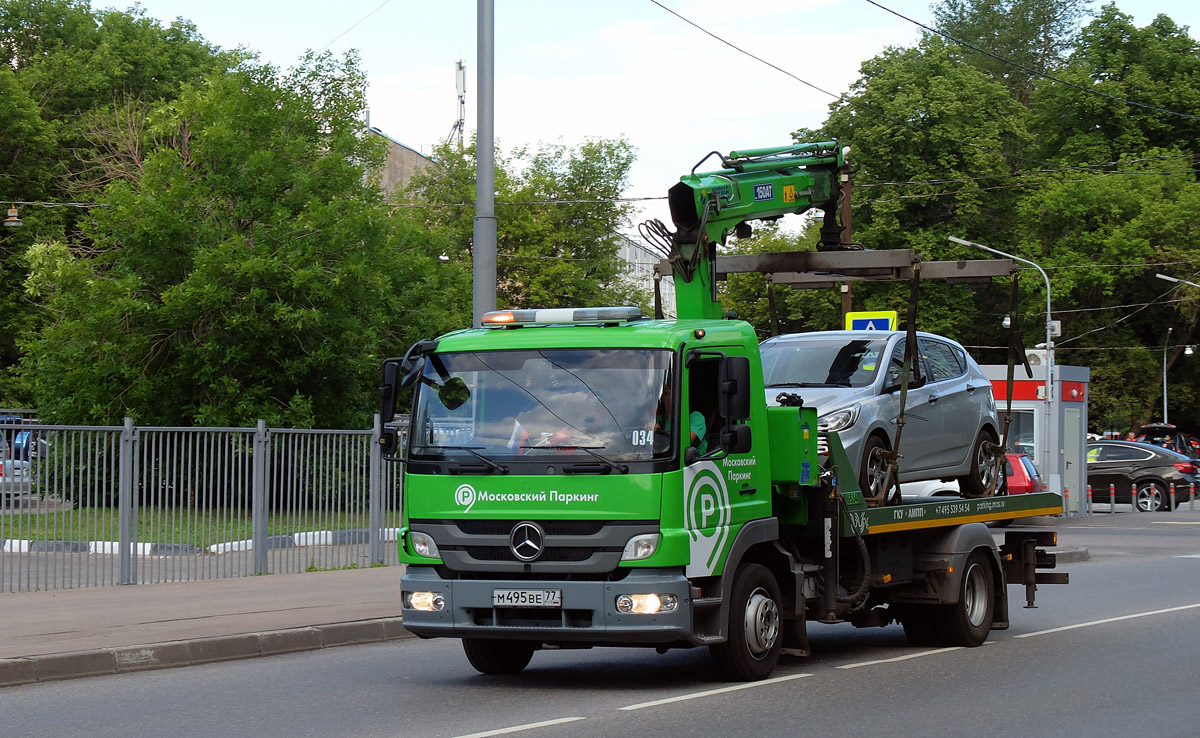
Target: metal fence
{"x":86,"y":506}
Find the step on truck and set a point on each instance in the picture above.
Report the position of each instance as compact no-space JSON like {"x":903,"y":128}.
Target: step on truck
{"x":594,"y":477}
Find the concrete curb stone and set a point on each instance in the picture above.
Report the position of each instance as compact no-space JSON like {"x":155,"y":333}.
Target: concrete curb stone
{"x":100,"y":662}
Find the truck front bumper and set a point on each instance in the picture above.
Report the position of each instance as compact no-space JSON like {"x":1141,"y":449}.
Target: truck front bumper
{"x":588,"y":614}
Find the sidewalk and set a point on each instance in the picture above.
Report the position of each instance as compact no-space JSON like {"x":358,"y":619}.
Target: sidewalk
{"x":64,"y":634}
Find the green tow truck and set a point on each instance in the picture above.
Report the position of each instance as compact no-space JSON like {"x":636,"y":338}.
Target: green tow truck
{"x":593,"y":477}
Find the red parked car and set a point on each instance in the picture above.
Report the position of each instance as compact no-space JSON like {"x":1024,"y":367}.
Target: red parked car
{"x":1022,"y":475}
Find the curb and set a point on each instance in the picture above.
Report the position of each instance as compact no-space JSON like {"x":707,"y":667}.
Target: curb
{"x":171,"y":654}
{"x":1068,"y":554}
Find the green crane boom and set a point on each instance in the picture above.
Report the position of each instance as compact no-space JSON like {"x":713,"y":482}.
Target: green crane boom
{"x":753,"y":184}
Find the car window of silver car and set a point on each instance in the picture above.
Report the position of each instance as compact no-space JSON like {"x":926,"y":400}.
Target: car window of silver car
{"x":942,"y":363}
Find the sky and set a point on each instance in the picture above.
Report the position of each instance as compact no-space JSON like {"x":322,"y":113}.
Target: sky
{"x":569,"y":71}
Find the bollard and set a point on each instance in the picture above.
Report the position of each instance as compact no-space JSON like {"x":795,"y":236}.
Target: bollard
{"x":1112,"y":498}
{"x":1089,"y":500}
{"x":1067,"y":499}
{"x":1191,"y":495}
{"x":1133,"y":496}
{"x":1172,"y":496}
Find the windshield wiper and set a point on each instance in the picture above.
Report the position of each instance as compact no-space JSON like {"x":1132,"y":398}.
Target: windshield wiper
{"x":492,"y":465}
{"x":620,"y":468}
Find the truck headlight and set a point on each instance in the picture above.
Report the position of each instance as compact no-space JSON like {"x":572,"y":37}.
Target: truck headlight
{"x":647,"y":604}
{"x":838,"y":420}
{"x":640,"y":547}
{"x":423,"y":544}
{"x":424,"y":601}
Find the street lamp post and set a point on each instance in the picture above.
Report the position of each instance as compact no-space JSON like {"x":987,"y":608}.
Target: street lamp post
{"x":1166,"y":344}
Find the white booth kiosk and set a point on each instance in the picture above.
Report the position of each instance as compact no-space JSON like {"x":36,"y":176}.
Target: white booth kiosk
{"x":1054,"y":432}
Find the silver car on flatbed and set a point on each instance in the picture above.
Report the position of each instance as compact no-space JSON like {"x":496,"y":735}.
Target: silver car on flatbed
{"x":852,"y":378}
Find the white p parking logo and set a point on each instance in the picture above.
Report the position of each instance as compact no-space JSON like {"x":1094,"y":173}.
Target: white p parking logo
{"x":465,"y":496}
{"x":707,"y":514}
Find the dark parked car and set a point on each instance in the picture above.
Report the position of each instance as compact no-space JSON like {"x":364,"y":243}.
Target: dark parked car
{"x":1169,"y":437}
{"x":1152,"y":469}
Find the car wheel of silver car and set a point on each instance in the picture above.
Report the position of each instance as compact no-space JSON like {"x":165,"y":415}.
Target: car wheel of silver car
{"x":984,"y":466}
{"x":874,"y":466}
{"x":1151,"y":497}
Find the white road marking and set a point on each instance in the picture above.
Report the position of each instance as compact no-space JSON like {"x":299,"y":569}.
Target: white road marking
{"x":1189,"y":556}
{"x":711,"y":692}
{"x":1176,"y":522}
{"x":1110,"y":620}
{"x":901,"y":658}
{"x":519,"y":728}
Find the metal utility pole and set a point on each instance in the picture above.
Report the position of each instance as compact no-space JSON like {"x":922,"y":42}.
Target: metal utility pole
{"x":484,"y":235}
{"x":847,"y":227}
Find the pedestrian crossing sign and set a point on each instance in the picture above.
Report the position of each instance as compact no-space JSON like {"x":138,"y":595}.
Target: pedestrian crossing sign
{"x":882,"y":320}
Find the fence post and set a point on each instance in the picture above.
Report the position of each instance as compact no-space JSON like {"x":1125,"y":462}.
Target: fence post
{"x":375,"y":493}
{"x":125,"y":505}
{"x":258,"y":500}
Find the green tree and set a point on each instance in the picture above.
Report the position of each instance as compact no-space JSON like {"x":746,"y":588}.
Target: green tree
{"x":1157,"y":66}
{"x":70,"y":74}
{"x":1014,"y":41}
{"x":557,"y":210}
{"x":249,"y":272}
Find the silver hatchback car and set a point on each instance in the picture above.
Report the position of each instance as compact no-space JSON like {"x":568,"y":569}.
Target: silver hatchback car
{"x":852,"y":378}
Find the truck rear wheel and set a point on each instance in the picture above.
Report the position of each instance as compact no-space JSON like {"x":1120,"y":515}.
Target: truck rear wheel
{"x":490,"y":656}
{"x":968,"y":621}
{"x":751,"y":650}
{"x":920,"y":624}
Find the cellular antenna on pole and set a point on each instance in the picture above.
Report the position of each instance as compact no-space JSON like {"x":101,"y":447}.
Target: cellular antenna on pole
{"x":460,"y":79}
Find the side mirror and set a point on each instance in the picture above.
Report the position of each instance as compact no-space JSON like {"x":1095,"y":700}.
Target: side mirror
{"x":733,"y":383}
{"x":387,"y":390}
{"x":736,"y":439}
{"x":389,"y":439}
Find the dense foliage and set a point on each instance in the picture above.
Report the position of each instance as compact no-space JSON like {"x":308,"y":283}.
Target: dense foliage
{"x":210,"y":246}
{"x":1091,"y":174}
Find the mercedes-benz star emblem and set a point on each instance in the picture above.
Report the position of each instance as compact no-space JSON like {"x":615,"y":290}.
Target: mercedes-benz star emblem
{"x":526,"y":541}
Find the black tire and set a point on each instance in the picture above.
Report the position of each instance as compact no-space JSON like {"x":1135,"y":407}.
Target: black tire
{"x":984,"y":467}
{"x":490,"y":656}
{"x":920,"y":624}
{"x":1152,"y":497}
{"x":755,"y":636}
{"x":968,"y":621}
{"x":873,"y":467}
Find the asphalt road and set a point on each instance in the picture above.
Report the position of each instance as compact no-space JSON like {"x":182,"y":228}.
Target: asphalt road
{"x":1111,"y":654}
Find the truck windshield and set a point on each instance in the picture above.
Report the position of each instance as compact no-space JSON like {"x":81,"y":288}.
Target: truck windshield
{"x":545,"y":403}
{"x":822,"y":362}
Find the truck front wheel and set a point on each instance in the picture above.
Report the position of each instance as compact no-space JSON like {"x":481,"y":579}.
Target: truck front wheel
{"x":490,"y":656}
{"x":968,"y":621}
{"x":751,"y":650}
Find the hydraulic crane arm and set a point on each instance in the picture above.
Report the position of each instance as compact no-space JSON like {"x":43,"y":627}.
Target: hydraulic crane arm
{"x":753,"y":184}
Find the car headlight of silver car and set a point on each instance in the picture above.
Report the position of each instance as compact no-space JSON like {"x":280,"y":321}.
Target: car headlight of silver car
{"x":838,"y":420}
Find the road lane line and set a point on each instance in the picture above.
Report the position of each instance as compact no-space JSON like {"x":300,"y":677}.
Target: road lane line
{"x":1111,"y":620}
{"x":901,"y":658}
{"x":519,"y":728}
{"x":711,"y":692}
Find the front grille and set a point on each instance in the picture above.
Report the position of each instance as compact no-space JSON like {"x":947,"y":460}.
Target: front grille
{"x":570,"y":546}
{"x":552,"y":527}
{"x":503,"y":553}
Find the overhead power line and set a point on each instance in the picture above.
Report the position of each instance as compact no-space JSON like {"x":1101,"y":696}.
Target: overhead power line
{"x":1032,"y":71}
{"x":842,"y":98}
